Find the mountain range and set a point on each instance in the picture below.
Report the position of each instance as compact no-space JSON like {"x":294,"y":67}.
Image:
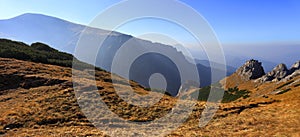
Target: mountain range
{"x":63,"y":36}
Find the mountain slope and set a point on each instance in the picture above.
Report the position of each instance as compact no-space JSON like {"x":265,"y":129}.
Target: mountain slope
{"x":41,"y":96}
{"x":33,"y":107}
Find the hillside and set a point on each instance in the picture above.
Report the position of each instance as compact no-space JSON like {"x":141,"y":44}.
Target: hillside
{"x":38,"y":100}
{"x":37,"y":52}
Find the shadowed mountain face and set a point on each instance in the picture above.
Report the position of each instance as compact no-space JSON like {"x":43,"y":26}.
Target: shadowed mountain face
{"x":145,"y":66}
{"x":63,"y":35}
{"x":155,"y":58}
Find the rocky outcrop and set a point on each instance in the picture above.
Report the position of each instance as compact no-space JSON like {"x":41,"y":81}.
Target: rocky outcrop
{"x":296,"y":73}
{"x":293,"y":72}
{"x":281,"y":72}
{"x":278,"y":73}
{"x":295,"y":67}
{"x":252,"y":69}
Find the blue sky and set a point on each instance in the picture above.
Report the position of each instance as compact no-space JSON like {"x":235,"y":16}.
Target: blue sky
{"x":236,"y":22}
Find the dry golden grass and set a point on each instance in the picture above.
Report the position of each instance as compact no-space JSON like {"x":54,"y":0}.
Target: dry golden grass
{"x":38,"y":100}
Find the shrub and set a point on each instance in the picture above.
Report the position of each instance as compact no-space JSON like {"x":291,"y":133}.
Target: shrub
{"x":231,"y":94}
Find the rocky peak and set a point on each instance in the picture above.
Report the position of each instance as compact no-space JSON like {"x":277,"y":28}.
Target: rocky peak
{"x":252,"y":69}
{"x":278,"y":73}
{"x":295,"y":66}
{"x":281,"y":67}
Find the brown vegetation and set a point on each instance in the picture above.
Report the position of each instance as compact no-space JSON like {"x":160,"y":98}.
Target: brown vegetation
{"x":39,"y":100}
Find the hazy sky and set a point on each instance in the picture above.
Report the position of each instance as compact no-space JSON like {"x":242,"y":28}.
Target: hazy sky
{"x":236,"y":22}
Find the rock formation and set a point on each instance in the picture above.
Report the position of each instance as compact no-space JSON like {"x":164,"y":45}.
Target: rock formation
{"x":295,"y":67}
{"x":252,"y":69}
{"x":281,"y":72}
{"x":278,"y":73}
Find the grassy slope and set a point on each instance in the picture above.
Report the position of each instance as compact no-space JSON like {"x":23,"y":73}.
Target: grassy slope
{"x":52,"y":110}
